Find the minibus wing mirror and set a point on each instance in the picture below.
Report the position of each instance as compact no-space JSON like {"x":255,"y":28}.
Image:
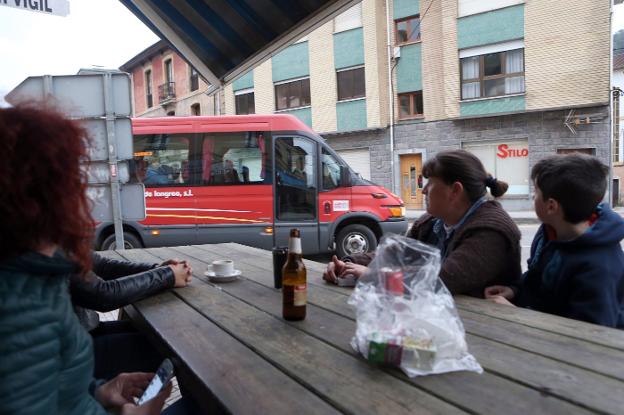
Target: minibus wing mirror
{"x":345,"y":176}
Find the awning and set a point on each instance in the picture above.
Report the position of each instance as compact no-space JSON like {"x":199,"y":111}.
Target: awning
{"x":223,"y":39}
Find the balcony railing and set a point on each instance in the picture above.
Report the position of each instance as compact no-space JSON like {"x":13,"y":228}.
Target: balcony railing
{"x":166,"y":92}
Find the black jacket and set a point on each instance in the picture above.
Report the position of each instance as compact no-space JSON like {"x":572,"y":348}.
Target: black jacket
{"x":113,"y":284}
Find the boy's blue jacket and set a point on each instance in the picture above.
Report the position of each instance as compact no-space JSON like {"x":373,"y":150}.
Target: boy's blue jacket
{"x":581,"y":279}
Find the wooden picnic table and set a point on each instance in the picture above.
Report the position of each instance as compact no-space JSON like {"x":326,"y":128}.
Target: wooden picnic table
{"x":235,"y":353}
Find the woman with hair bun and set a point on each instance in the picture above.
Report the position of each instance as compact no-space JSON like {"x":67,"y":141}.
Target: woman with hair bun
{"x":478,"y":241}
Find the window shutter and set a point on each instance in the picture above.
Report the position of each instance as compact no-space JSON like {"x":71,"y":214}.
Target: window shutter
{"x":350,"y":19}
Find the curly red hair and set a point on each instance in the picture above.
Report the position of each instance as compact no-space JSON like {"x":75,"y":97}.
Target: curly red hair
{"x":42,"y":184}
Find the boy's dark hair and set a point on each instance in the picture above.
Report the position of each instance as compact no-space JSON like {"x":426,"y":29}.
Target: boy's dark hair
{"x":577,"y":181}
{"x":464,"y":167}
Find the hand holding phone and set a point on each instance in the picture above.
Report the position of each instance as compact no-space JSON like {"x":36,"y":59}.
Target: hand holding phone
{"x":160,"y":380}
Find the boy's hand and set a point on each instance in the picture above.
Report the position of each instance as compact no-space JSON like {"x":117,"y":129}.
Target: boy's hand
{"x":500,"y":300}
{"x":499,"y":291}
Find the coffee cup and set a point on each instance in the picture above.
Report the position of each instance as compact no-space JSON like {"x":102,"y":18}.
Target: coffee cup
{"x":222,"y":267}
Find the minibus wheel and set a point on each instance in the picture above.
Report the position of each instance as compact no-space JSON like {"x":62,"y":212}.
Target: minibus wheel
{"x":355,"y":239}
{"x":130,"y":240}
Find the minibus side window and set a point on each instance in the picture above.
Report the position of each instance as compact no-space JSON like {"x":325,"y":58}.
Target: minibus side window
{"x":295,"y":174}
{"x":161,"y":160}
{"x":234,"y":159}
{"x":330,"y":171}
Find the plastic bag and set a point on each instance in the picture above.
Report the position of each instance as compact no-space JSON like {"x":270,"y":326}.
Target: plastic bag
{"x":406,"y":317}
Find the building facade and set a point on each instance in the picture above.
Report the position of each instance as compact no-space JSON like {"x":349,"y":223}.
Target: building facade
{"x":164,"y":84}
{"x":510,"y":80}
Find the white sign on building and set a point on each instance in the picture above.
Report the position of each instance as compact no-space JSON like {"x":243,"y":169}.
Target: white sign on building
{"x":55,"y":7}
{"x":506,"y":160}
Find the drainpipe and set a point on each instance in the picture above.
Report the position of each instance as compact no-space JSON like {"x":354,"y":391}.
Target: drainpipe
{"x":611,"y":109}
{"x":390,"y":96}
{"x":218,"y":102}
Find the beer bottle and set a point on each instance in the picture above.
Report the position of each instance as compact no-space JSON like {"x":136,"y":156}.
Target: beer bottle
{"x":294,"y":285}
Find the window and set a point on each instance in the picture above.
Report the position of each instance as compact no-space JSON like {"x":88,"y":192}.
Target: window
{"x":507,"y":160}
{"x":168,"y":71}
{"x":493,"y":74}
{"x":411,"y":105}
{"x":235,"y":159}
{"x":407,"y":30}
{"x":295,"y":178}
{"x":350,"y":84}
{"x":348,"y":20}
{"x":469,"y":7}
{"x":194,"y":80}
{"x":245,"y":103}
{"x":161,"y":160}
{"x":195,"y":109}
{"x":293,"y":94}
{"x":590,"y":151}
{"x":330,"y":172}
{"x":148,"y":89}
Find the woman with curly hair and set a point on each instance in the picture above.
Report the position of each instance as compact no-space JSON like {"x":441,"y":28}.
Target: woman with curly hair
{"x":45,"y":236}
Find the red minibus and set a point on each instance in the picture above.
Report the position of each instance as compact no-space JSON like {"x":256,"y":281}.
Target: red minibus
{"x":249,"y":179}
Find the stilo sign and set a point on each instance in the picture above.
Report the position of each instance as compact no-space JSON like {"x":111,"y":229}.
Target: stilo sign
{"x":503,"y":152}
{"x":56,"y":7}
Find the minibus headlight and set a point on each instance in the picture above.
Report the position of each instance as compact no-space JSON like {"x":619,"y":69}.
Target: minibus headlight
{"x":397,"y":211}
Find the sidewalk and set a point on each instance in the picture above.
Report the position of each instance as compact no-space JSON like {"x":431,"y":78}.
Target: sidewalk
{"x":521,"y":217}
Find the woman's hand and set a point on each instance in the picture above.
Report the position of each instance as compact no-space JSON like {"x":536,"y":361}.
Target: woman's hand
{"x":183,"y":273}
{"x":335,"y":268}
{"x":122,"y":389}
{"x":152,"y":407}
{"x":172,"y":261}
{"x":356,"y":270}
{"x":499,"y":291}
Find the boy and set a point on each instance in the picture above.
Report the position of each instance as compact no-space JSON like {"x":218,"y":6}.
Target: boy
{"x":576,"y":268}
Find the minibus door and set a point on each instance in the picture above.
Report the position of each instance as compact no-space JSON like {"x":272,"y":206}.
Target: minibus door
{"x":296,"y":191}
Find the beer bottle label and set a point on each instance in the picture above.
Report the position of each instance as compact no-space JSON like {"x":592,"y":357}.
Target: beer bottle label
{"x":294,"y":245}
{"x":300,"y":297}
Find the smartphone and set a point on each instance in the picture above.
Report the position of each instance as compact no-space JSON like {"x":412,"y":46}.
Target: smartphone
{"x":159,"y":381}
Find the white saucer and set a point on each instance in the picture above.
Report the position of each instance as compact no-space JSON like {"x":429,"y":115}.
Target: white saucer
{"x":222,"y":278}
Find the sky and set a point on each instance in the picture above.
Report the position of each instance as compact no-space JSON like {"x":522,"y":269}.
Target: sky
{"x":95,"y":33}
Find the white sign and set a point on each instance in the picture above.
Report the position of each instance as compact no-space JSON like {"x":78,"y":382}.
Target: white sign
{"x":341,"y":205}
{"x":56,"y":7}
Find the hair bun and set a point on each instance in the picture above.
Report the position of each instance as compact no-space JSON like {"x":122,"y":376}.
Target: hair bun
{"x":491,"y":182}
{"x":497,"y":187}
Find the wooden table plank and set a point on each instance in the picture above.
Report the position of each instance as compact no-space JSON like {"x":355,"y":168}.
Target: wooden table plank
{"x":572,"y":328}
{"x":496,"y":393}
{"x":563,"y":348}
{"x":243,"y":381}
{"x":257,"y":270}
